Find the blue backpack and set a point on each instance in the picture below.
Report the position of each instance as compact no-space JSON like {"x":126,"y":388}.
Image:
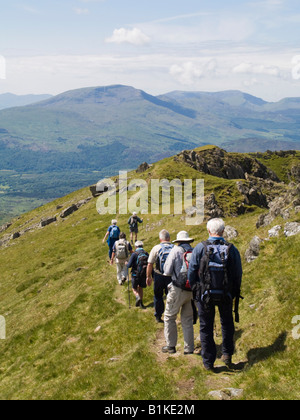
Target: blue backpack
{"x":115,"y":232}
{"x":162,"y":256}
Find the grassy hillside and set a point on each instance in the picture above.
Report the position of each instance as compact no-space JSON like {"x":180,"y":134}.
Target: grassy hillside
{"x":56,"y":289}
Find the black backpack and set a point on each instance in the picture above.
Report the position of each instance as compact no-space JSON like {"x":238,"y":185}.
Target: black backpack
{"x":142,"y":264}
{"x":216,"y":285}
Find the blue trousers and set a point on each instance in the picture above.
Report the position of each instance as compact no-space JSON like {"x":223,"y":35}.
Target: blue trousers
{"x":207,"y":320}
{"x":160,"y":288}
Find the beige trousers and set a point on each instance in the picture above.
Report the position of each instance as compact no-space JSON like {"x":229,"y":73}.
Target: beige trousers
{"x":179,"y":300}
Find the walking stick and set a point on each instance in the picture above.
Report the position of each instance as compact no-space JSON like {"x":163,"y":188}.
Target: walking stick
{"x":129,"y":294}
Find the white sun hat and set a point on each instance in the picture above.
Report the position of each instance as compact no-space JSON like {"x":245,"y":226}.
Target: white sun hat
{"x":183,"y":237}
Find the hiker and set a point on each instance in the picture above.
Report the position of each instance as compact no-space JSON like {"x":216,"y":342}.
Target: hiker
{"x":180,"y":295}
{"x":133,"y":222}
{"x":215,"y":275}
{"x":112,"y":236}
{"x":138,"y":263}
{"x":121,"y":252}
{"x":158,"y":256}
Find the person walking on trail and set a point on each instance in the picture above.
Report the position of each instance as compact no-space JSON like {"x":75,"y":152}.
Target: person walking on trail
{"x":158,"y":257}
{"x":121,"y":252}
{"x":133,"y":222}
{"x":112,"y":236}
{"x":138,"y":263}
{"x":215,"y":275}
{"x":180,"y":296}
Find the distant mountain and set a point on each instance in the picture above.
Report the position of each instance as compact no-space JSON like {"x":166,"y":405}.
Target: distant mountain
{"x":67,"y":141}
{"x":9,"y":100}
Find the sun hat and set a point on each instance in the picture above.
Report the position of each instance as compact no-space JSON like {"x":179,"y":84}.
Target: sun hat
{"x":139,"y":244}
{"x":183,"y":237}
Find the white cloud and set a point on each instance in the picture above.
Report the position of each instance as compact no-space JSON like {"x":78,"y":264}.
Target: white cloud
{"x":80,"y":11}
{"x":190,"y":72}
{"x":130,"y":36}
{"x":247,"y":68}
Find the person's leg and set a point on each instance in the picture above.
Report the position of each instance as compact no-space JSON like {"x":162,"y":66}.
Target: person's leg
{"x":119,"y":273}
{"x":187,"y":322}
{"x":158,"y":296}
{"x":209,"y":351}
{"x":228,"y":330}
{"x":172,"y":309}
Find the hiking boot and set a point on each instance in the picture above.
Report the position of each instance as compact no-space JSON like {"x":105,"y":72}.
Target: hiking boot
{"x":186,"y":353}
{"x":142,"y":305}
{"x":209,"y":368}
{"x":227,"y":360}
{"x":123,"y":280}
{"x":159,"y":320}
{"x":170,"y":350}
{"x":138,"y":302}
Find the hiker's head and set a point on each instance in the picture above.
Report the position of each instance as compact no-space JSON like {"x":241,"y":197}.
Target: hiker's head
{"x":139,"y":244}
{"x":216,"y":227}
{"x":164,"y":236}
{"x":122,"y":235}
{"x":114,"y":222}
{"x":134,"y":214}
{"x":183,"y":238}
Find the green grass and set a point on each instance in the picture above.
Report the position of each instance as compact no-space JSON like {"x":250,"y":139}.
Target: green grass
{"x":56,"y":288}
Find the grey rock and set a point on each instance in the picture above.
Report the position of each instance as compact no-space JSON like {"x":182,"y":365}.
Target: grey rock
{"x":253,"y":251}
{"x":47,"y":221}
{"x":274,"y":232}
{"x":230,"y":233}
{"x":292,"y":229}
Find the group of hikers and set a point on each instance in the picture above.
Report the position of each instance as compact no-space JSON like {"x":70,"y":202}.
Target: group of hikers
{"x":195,"y":281}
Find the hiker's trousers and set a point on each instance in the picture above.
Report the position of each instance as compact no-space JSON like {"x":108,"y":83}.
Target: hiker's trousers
{"x":207,"y":320}
{"x":179,"y":300}
{"x":161,"y":284}
{"x":122,"y":271}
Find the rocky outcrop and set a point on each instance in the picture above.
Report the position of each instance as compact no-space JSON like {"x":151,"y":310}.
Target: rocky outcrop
{"x":252,"y":194}
{"x":219,"y":163}
{"x":143,"y":168}
{"x":281,"y":206}
{"x":47,"y":221}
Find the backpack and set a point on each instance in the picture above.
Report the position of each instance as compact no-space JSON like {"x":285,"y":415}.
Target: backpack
{"x":215,"y":284}
{"x":122,"y":252}
{"x":133,"y":222}
{"x":182,"y":280}
{"x":115,"y":232}
{"x":142,"y":264}
{"x":162,"y":256}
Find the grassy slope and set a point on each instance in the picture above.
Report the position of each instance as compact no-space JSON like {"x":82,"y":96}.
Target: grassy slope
{"x":52,"y":310}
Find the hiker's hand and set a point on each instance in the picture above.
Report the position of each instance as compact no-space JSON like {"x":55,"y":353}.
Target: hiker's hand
{"x":112,"y":262}
{"x":149,"y":281}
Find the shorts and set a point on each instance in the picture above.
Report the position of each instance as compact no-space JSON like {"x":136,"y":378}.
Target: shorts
{"x":138,"y":282}
{"x":134,"y":230}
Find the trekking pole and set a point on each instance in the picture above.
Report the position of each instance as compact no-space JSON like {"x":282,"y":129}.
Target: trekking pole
{"x":129,"y":294}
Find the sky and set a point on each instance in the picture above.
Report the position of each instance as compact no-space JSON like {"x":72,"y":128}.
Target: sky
{"x":51,"y":46}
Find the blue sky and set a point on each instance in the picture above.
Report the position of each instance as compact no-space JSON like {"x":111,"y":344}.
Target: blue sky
{"x":51,"y":46}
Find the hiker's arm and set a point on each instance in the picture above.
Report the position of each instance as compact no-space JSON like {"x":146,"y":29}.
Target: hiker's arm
{"x":106,"y":236}
{"x":149,"y":274}
{"x":112,"y":258}
{"x":194,"y":267}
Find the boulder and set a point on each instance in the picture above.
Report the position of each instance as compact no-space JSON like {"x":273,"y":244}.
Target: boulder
{"x":253,"y":251}
{"x":274,"y":232}
{"x":68,"y":211}
{"x":143,"y":168}
{"x":230,"y":233}
{"x":47,"y":221}
{"x":292,"y":229}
